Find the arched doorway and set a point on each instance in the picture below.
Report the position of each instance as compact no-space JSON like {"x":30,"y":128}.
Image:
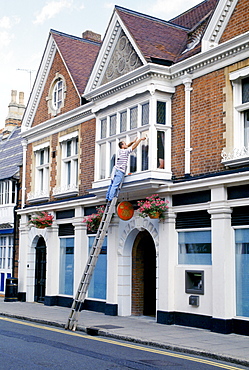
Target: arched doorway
{"x":40,"y":270}
{"x":144,"y":275}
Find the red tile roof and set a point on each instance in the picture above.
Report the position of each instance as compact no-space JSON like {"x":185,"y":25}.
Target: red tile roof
{"x":193,"y":16}
{"x":79,"y":55}
{"x":164,"y":42}
{"x":154,"y":37}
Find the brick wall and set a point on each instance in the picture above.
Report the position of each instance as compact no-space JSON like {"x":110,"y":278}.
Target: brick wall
{"x":239,"y":21}
{"x":207,"y":127}
{"x":87,"y":155}
{"x":178,"y":131}
{"x":137,"y":306}
{"x":72,"y":99}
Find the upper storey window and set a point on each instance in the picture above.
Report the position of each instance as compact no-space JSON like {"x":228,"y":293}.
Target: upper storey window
{"x":69,"y":182}
{"x":40,"y":182}
{"x":7,"y":192}
{"x":240,"y":151}
{"x":161,"y":113}
{"x":57,"y":94}
{"x":147,"y":118}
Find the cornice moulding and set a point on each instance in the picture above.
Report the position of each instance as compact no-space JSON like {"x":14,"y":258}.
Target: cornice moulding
{"x":206,"y":62}
{"x":39,"y":83}
{"x":57,"y":124}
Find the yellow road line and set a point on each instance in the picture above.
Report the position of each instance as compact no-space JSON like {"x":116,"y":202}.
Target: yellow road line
{"x":128,"y":345}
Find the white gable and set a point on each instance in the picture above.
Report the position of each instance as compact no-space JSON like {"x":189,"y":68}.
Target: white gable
{"x":118,"y":55}
{"x":39,"y":84}
{"x":218,"y":23}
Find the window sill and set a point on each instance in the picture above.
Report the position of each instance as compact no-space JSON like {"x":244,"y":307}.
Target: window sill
{"x":65,"y":191}
{"x":237,"y":157}
{"x":37,"y":197}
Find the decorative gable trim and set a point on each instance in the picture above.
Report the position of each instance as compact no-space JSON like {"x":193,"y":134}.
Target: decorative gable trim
{"x":218,"y":23}
{"x":111,"y":38}
{"x":39,"y":84}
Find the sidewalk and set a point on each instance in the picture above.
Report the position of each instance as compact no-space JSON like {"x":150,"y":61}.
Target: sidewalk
{"x":143,"y":330}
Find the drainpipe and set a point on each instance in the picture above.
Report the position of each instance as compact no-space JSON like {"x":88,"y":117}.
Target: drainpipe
{"x":24,"y":148}
{"x":187,"y":82}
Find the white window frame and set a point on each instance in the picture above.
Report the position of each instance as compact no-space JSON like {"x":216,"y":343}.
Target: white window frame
{"x":57,"y":95}
{"x":41,"y":185}
{"x":152,"y":127}
{"x":240,"y":152}
{"x":194,"y":230}
{"x":69,"y":185}
{"x":6,"y":190}
{"x":55,"y":106}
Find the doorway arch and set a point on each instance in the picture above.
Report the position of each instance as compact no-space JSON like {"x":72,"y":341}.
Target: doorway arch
{"x":40,"y":270}
{"x":143,"y":275}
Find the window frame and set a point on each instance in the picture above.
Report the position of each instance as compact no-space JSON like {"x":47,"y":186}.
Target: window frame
{"x":53,"y":108}
{"x":240,"y":152}
{"x":146,"y":106}
{"x":194,"y":230}
{"x":69,"y":166}
{"x":8,"y":192}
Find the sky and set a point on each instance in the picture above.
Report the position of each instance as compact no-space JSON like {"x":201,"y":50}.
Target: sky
{"x":25,"y":26}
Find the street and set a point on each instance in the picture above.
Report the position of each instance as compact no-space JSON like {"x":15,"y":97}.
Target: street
{"x":26,"y":345}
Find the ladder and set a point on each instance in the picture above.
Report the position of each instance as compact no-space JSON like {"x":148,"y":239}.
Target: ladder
{"x":91,"y":263}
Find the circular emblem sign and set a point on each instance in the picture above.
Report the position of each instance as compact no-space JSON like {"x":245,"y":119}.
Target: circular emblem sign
{"x":125,"y":210}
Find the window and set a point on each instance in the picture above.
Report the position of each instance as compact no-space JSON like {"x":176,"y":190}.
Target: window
{"x":123,"y":121}
{"x":114,"y":129}
{"x":113,"y":124}
{"x":70,"y":163}
{"x":133,"y":117}
{"x":239,"y":152}
{"x":41,"y":179}
{"x":7,"y":192}
{"x":161,"y":113}
{"x":97,"y":287}
{"x":134,"y":120}
{"x":3,"y":245}
{"x":145,"y":114}
{"x":194,"y":248}
{"x":103,"y":128}
{"x":160,"y":148}
{"x":66,"y":280}
{"x":242,"y":271}
{"x":10,"y":252}
{"x":58,"y":95}
{"x":42,"y":170}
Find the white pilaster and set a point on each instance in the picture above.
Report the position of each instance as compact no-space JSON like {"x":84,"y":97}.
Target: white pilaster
{"x":167,"y":259}
{"x":112,"y":262}
{"x":223,"y":271}
{"x":80,"y":247}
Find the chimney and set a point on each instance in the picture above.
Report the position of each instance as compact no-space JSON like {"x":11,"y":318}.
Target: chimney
{"x":92,"y":36}
{"x":16,"y":111}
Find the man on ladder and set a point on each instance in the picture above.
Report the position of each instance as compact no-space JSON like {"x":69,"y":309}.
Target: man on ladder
{"x":119,"y":169}
{"x":112,"y":196}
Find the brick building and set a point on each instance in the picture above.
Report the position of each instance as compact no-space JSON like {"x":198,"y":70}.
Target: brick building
{"x":184,"y":84}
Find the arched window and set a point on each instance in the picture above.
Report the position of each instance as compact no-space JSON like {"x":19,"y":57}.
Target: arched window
{"x":56,"y":95}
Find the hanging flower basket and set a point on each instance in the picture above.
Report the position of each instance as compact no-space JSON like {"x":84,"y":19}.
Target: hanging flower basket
{"x":41,"y":220}
{"x":92,"y":221}
{"x":153,"y":206}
